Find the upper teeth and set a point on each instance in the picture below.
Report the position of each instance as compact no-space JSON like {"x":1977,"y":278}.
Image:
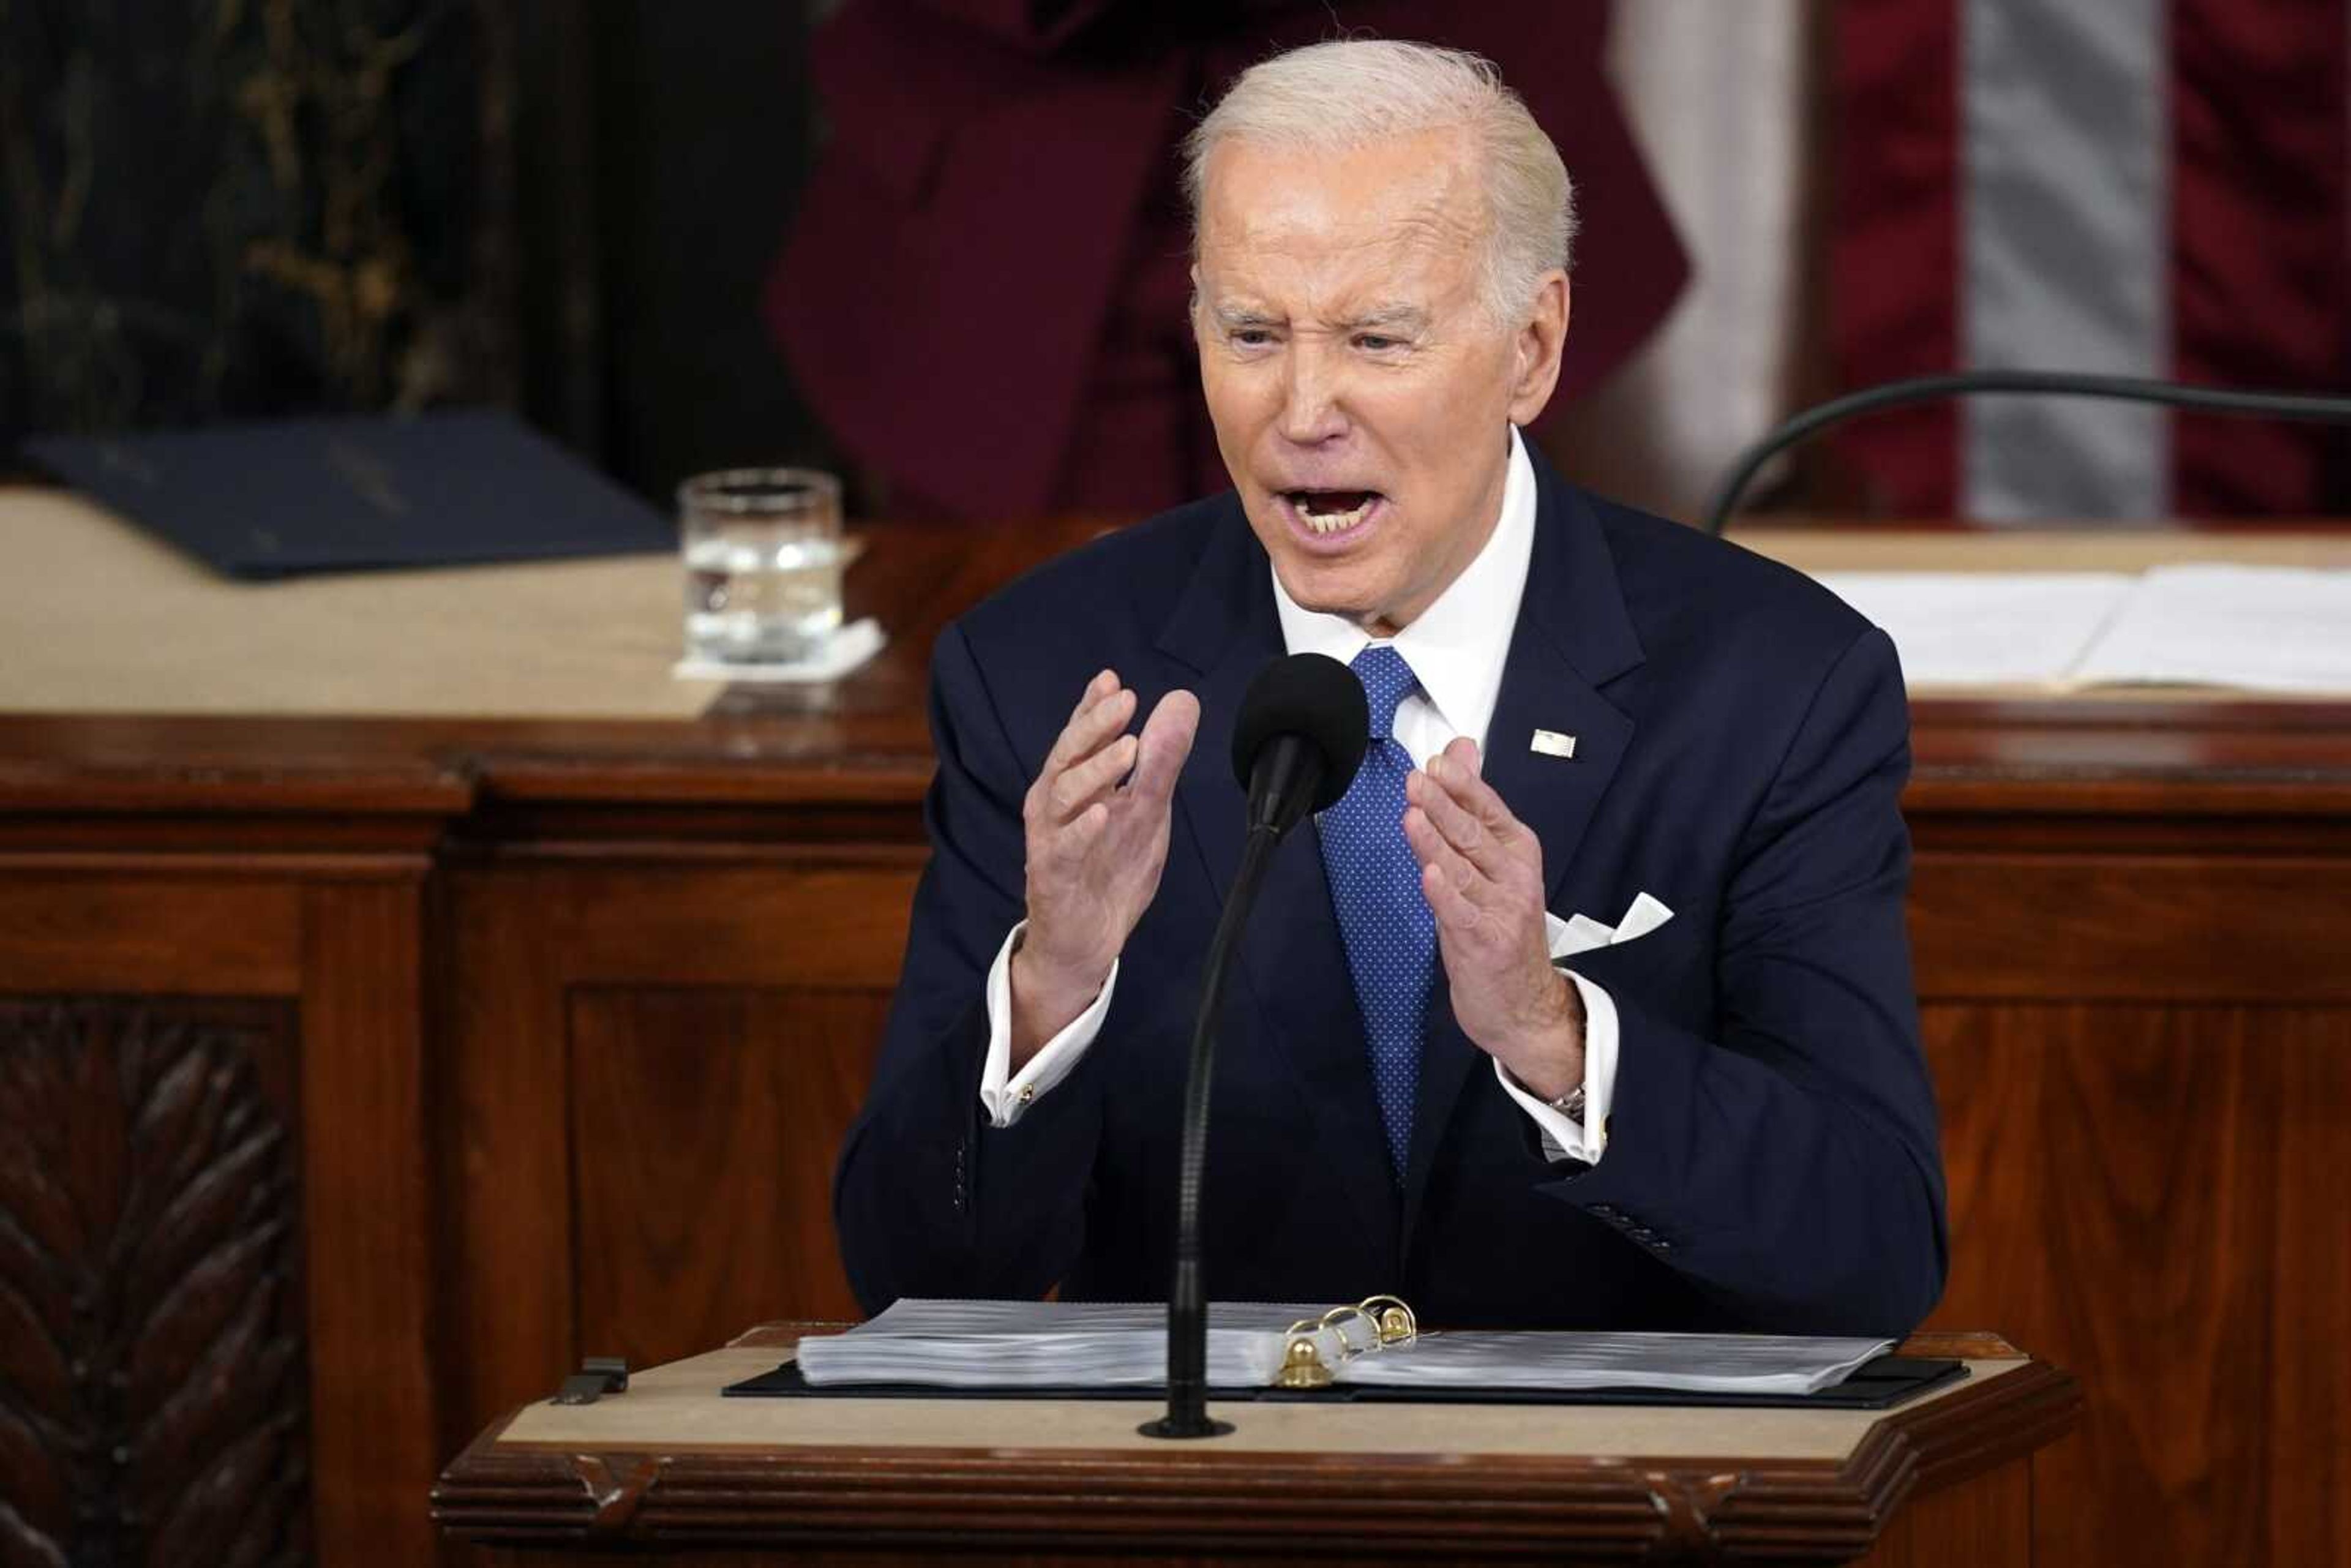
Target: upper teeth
{"x":1334,"y":522}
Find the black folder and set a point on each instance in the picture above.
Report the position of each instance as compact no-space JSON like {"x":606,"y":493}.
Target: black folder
{"x":1878,"y":1384}
{"x":348,"y":492}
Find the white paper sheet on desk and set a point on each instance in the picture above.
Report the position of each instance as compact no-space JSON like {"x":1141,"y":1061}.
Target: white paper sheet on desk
{"x":1028,"y":1345}
{"x":1981,"y":629}
{"x":1689,"y":1362}
{"x":2262,"y":627}
{"x":1013,"y":1345}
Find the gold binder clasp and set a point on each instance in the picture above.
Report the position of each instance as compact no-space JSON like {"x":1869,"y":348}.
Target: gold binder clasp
{"x":1301,"y":1364}
{"x":1396,"y":1323}
{"x":1391,"y":1324}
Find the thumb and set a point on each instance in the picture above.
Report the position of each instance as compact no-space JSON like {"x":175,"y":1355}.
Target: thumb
{"x":1166,"y":741}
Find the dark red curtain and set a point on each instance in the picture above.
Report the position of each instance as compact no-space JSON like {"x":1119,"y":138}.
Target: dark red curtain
{"x":983,"y":295}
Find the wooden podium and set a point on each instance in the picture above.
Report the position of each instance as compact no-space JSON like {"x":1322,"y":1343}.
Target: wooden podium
{"x":671,"y":1468}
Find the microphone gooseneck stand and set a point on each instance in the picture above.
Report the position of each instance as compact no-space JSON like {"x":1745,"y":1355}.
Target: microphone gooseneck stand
{"x":1298,"y":741}
{"x":1187,"y":1311}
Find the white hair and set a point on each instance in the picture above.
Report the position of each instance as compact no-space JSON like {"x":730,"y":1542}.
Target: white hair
{"x":1341,"y":96}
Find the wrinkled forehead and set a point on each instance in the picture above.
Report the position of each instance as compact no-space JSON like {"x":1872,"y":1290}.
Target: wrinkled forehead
{"x":1411,"y":202}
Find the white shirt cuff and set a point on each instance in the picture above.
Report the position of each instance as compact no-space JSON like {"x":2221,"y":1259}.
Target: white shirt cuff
{"x":1565,"y":1137}
{"x":1004,"y":1094}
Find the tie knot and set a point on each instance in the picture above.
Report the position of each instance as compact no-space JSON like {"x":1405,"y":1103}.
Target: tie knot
{"x":1388,"y":681}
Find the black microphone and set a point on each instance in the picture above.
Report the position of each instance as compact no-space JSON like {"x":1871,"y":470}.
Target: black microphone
{"x":1300,"y":736}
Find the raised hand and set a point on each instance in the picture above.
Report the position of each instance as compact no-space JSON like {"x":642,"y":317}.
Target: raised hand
{"x":1096,"y":847}
{"x":1482,"y":870}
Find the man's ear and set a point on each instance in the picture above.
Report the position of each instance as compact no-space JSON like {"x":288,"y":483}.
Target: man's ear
{"x":1541,"y":338}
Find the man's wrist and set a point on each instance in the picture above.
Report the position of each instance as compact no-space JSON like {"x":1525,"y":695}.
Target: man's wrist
{"x":1551,"y":1066}
{"x":1046,"y":999}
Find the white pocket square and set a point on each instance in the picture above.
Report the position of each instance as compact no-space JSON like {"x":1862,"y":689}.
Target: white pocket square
{"x":1581,"y":933}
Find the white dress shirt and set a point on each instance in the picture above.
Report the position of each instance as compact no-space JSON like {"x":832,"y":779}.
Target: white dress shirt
{"x":1456,"y":647}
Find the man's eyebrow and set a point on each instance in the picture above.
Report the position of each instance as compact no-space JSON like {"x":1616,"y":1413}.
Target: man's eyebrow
{"x":1401,"y":318}
{"x":1232,"y":318}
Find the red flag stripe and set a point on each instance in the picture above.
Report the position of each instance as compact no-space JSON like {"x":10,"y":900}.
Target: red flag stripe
{"x":1894,"y":253}
{"x":2259,"y":247}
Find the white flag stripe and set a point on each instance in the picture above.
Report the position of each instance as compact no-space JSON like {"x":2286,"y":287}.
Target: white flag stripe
{"x":2066,"y":252}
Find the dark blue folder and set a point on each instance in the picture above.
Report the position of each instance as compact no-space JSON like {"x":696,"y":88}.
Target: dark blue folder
{"x":352,"y":493}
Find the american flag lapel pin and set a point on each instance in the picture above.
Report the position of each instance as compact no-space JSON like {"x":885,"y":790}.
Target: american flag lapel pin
{"x":1552,"y":743}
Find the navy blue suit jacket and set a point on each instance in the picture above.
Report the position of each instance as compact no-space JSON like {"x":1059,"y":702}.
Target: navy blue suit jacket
{"x":1742,"y":738}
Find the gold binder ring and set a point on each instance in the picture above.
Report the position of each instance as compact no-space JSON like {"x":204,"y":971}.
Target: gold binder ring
{"x":1335,"y":1319}
{"x":1392,"y":1318}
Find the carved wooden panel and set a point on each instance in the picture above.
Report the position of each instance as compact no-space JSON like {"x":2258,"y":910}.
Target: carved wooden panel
{"x":2145,"y":1194}
{"x":703,"y":1128}
{"x":151,"y":1376}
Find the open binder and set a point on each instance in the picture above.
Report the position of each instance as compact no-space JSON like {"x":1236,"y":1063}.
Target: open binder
{"x":1372,"y":1352}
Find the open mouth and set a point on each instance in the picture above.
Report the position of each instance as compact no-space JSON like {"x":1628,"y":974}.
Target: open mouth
{"x":1328,"y":512}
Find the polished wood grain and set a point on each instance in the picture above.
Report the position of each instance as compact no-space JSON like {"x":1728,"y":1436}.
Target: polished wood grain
{"x":664,"y":1049}
{"x":2116,"y":1174}
{"x":376,"y":1367}
{"x":1985,"y":1523}
{"x":703,"y":1128}
{"x":84,"y":930}
{"x":2124,"y":927}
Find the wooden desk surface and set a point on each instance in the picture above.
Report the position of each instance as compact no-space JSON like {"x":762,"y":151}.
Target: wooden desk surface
{"x":549,"y":684}
{"x":677,"y":1408}
{"x":671,"y":1461}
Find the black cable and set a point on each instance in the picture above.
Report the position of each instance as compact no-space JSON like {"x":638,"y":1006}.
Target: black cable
{"x":1968,"y":384}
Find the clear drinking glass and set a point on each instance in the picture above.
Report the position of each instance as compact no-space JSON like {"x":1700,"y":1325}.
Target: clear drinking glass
{"x":763,"y":564}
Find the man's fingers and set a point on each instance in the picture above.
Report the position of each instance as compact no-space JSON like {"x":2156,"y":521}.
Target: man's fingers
{"x":1079,"y":786}
{"x":1453,"y":911}
{"x":1459,"y":876}
{"x":1100,"y":714}
{"x":1461,"y":828}
{"x":1168,"y":738}
{"x":1104,"y":682}
{"x":1455,"y":769}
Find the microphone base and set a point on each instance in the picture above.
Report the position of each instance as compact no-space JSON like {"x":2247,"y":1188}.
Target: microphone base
{"x":1172,"y":1427}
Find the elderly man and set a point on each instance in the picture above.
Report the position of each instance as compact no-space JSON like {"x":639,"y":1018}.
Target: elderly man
{"x":1590,"y":1004}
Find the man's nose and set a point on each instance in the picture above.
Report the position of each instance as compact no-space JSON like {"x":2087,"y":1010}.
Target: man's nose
{"x":1312,"y":410}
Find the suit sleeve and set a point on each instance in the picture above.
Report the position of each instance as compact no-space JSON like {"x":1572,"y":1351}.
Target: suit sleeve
{"x":1791,"y":1166}
{"x":929,"y":1199}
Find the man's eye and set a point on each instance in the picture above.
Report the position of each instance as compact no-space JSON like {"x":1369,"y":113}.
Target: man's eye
{"x":1252,"y":337}
{"x":1378,"y":344}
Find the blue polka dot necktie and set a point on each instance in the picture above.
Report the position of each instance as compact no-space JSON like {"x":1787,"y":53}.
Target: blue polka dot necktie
{"x":1385,"y":921}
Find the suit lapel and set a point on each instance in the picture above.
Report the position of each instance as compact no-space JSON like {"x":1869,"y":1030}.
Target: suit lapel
{"x":1290,"y":959}
{"x":1574,"y":635}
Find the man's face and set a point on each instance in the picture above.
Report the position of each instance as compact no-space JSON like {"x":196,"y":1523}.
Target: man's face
{"x":1359,"y":389}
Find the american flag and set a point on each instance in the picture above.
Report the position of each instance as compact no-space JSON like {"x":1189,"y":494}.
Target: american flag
{"x":2134,"y":187}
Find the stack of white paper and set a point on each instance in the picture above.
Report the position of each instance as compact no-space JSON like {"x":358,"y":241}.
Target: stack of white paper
{"x":1985,"y":629}
{"x":1031,"y":1344}
{"x":1090,"y":1344}
{"x":1687,"y":1362}
{"x":2265,"y":629}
